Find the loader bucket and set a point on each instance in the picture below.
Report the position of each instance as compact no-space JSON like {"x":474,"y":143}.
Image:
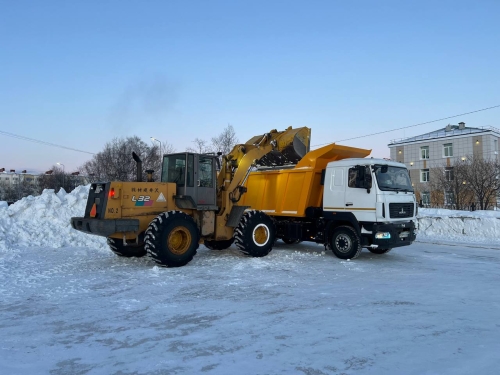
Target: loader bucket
{"x":291,"y":146}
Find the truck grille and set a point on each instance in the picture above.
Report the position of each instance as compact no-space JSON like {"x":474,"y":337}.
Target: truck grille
{"x":397,"y":210}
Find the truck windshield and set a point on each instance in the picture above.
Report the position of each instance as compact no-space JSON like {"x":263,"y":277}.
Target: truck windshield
{"x":393,"y":178}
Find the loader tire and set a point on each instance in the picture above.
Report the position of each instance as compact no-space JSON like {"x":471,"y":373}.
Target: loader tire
{"x":255,"y":234}
{"x":172,"y":239}
{"x":129,"y":251}
{"x":345,"y":242}
{"x":379,"y":251}
{"x":218,"y":245}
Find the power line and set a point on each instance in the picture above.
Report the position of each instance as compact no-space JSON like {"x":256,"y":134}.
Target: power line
{"x":410,"y":126}
{"x":43,"y":142}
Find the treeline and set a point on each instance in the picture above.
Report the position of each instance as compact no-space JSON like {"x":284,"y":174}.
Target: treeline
{"x":115,"y":163}
{"x":471,"y":182}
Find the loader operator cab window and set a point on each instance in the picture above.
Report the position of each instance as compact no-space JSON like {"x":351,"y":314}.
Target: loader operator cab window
{"x":205,"y":172}
{"x":175,"y":169}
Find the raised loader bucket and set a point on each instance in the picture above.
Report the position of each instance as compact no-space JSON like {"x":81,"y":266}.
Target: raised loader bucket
{"x":291,"y":146}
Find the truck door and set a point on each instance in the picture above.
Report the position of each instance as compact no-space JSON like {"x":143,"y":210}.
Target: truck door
{"x":205,"y":180}
{"x":357,"y":199}
{"x":333,"y":197}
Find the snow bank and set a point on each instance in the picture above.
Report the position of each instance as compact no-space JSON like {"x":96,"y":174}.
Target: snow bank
{"x":460,"y":226}
{"x":44,"y":221}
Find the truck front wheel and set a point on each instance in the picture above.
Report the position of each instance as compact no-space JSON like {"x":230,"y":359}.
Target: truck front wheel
{"x":255,"y":234}
{"x":131,"y":250}
{"x":172,"y":239}
{"x":345,"y":243}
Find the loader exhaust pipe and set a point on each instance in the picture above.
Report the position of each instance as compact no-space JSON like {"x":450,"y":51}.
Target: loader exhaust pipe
{"x":139,"y":166}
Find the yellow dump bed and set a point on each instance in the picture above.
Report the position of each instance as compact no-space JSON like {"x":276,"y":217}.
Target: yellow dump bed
{"x":288,"y":192}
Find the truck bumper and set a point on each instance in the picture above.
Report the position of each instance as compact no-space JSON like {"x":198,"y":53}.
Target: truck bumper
{"x":104,"y":227}
{"x":388,"y":236}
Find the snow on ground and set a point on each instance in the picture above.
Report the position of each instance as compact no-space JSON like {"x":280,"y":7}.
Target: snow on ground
{"x":70,"y":306}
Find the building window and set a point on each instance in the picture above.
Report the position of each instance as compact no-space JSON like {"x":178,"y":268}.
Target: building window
{"x":448,"y":150}
{"x":449,"y":198}
{"x":448,"y":174}
{"x":426,"y":199}
{"x":424,"y":152}
{"x":424,"y":175}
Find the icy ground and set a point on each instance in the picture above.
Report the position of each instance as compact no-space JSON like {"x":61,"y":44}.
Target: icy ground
{"x":70,"y":306}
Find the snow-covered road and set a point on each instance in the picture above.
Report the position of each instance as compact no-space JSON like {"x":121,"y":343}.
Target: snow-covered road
{"x":423,"y":309}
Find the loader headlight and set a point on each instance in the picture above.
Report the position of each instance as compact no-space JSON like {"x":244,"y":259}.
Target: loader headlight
{"x":382,"y":235}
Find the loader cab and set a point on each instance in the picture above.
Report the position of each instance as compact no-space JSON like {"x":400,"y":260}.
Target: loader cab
{"x":195,"y":177}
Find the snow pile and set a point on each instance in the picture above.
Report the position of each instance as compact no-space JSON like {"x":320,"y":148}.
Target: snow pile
{"x":461,"y":226}
{"x":44,"y":221}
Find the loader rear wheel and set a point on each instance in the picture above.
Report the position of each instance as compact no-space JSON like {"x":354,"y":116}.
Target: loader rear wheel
{"x":218,"y":245}
{"x":345,"y":242}
{"x":379,"y":251}
{"x":129,"y":251}
{"x":172,"y":239}
{"x":255,"y":234}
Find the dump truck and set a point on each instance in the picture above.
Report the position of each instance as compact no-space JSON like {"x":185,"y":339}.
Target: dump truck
{"x":345,"y":203}
{"x":271,"y":187}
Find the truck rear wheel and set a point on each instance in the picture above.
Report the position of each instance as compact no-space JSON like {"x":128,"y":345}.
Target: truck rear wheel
{"x":345,"y":242}
{"x":379,"y":251}
{"x":255,"y":234}
{"x":218,"y":245}
{"x":129,"y":251}
{"x":172,"y":239}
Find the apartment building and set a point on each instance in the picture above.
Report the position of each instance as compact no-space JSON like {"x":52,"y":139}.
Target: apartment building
{"x":12,"y":177}
{"x":440,"y":149}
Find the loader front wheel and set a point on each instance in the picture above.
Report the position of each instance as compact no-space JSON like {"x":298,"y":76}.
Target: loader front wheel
{"x":218,"y":245}
{"x":172,"y":239}
{"x":345,"y":242}
{"x":129,"y":251}
{"x":255,"y":234}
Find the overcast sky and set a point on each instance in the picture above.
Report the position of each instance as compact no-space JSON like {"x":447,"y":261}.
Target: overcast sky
{"x":81,"y":73}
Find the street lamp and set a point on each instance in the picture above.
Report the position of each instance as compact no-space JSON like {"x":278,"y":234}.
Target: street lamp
{"x":157,"y":140}
{"x":63,"y":173}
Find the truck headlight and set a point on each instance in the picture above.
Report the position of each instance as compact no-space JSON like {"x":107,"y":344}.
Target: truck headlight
{"x":382,"y":235}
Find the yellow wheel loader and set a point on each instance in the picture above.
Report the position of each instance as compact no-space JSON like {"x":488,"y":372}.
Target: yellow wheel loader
{"x":193,"y":203}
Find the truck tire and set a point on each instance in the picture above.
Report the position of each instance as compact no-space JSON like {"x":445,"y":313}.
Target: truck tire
{"x":172,"y":239}
{"x":379,"y":251}
{"x":345,"y":242}
{"x":218,"y":245}
{"x":255,"y":234}
{"x":129,"y":251}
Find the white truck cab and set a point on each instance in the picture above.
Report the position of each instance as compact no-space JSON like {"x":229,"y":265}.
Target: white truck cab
{"x":376,"y":197}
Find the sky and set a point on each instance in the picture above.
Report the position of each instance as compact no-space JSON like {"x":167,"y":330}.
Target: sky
{"x":79,"y":74}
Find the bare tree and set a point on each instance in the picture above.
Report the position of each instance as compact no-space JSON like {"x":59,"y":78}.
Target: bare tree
{"x":115,"y":162}
{"x":448,"y":181}
{"x":482,"y":178}
{"x":225,"y":141}
{"x":201,"y":147}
